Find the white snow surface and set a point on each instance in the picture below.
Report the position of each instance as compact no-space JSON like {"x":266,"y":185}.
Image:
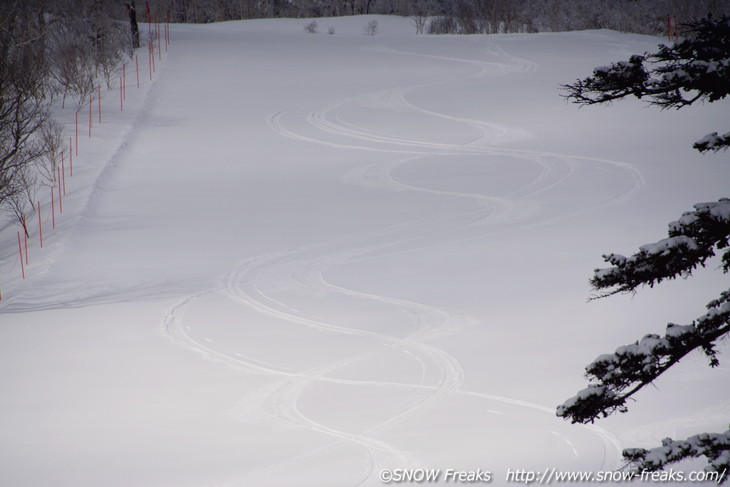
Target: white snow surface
{"x":299,"y":259}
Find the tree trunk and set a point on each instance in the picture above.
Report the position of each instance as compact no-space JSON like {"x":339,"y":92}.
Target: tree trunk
{"x":134,"y":28}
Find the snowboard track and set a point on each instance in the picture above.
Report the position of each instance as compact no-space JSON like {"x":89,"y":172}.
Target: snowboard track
{"x":252,"y":284}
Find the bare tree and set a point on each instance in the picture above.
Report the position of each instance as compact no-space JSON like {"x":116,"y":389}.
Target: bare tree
{"x":371,"y":28}
{"x":51,"y":139}
{"x":46,"y":47}
{"x":311,"y":27}
{"x":23,"y":106}
{"x":420,"y":22}
{"x":20,"y":202}
{"x":109,"y":41}
{"x":71,"y":59}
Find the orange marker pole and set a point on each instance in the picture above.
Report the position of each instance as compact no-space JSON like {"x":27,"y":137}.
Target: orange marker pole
{"x":70,"y":156}
{"x":159,"y":38}
{"x":25,"y":240}
{"x":669,"y":27}
{"x":60,"y":197}
{"x":63,"y":177}
{"x":40,"y":224}
{"x":53,"y":210}
{"x":20,"y":252}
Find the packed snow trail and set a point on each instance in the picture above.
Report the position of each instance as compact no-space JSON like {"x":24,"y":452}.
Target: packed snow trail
{"x":316,"y":257}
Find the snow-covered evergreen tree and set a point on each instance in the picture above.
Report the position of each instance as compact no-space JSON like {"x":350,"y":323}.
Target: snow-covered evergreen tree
{"x":695,"y":69}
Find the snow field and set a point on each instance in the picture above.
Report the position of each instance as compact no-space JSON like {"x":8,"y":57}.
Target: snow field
{"x":299,"y":259}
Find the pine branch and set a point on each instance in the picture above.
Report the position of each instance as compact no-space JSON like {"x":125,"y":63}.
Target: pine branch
{"x":713,"y":142}
{"x":694,"y":70}
{"x":698,"y":65}
{"x":692,"y":240}
{"x":715,"y":447}
{"x":609,"y":83}
{"x":619,"y":375}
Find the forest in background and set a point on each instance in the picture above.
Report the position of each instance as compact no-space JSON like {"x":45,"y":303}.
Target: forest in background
{"x":461,"y":16}
{"x":49,"y":50}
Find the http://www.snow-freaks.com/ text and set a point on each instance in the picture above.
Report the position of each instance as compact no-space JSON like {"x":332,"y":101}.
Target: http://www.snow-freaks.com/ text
{"x":549,"y":476}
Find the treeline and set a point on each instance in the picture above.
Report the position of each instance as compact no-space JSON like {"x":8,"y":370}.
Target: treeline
{"x":49,"y":50}
{"x":203,"y":11}
{"x":503,"y":16}
{"x":464,"y":16}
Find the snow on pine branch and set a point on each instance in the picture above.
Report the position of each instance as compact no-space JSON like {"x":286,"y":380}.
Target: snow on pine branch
{"x":610,"y":83}
{"x":713,"y":142}
{"x":695,"y":69}
{"x":692,"y":240}
{"x":617,"y":376}
{"x":715,"y":447}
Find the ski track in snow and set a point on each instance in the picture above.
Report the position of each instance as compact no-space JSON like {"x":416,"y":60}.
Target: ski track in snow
{"x":250,"y":284}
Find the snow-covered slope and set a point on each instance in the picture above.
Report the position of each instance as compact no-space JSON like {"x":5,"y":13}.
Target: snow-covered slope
{"x":300,"y":259}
